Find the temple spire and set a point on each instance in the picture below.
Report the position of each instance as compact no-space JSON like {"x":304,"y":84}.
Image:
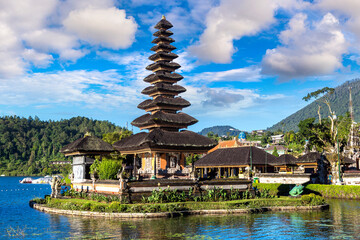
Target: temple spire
{"x":165,"y":104}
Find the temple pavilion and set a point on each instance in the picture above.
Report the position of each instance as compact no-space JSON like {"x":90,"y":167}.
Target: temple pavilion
{"x":161,"y":150}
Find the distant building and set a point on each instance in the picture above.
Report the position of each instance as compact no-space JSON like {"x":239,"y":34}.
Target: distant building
{"x":258,"y":132}
{"x":60,"y":162}
{"x":275,"y":139}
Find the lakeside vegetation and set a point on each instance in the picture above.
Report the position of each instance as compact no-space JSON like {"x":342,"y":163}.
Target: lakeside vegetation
{"x":100,"y":203}
{"x":29,"y":145}
{"x":326,"y":191}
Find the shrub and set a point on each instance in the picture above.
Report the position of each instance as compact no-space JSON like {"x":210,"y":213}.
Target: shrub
{"x":312,"y":199}
{"x":98,"y":207}
{"x":86,"y":207}
{"x":113,"y":207}
{"x":108,"y":169}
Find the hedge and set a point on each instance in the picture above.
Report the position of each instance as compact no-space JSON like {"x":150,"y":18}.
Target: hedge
{"x":327,"y":191}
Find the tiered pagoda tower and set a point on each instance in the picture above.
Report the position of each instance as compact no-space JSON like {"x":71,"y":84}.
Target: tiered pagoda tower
{"x":165,"y":104}
{"x":162,"y":150}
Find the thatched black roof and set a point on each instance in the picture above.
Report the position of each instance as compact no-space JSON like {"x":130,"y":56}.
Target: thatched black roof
{"x":163,"y":24}
{"x":87,"y":144}
{"x":236,"y":156}
{"x":162,"y":139}
{"x":285,"y":159}
{"x":163,"y":32}
{"x":311,"y":157}
{"x":163,"y":87}
{"x":172,"y":65}
{"x":161,"y":54}
{"x":164,"y":47}
{"x":164,"y":101}
{"x":163,"y":39}
{"x":160,"y":117}
{"x":160,"y":75}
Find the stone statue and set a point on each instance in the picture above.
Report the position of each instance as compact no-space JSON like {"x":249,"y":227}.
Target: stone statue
{"x":55,"y":187}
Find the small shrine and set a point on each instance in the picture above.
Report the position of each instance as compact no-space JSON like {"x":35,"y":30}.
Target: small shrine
{"x":83,"y":151}
{"x":162,"y":151}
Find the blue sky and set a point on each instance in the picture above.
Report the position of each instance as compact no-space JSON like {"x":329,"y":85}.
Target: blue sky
{"x":246,"y":63}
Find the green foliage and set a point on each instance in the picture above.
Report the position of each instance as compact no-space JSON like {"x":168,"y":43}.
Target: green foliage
{"x":108,"y":169}
{"x":94,"y":168}
{"x":275,"y":152}
{"x":274,"y":189}
{"x":210,"y":195}
{"x":28,"y":145}
{"x":335,"y":191}
{"x":86,"y":205}
{"x":327,"y":191}
{"x":113,"y":137}
{"x":319,"y":135}
{"x":320,"y":92}
{"x":312,"y":199}
{"x":191,"y":159}
{"x":213,"y":136}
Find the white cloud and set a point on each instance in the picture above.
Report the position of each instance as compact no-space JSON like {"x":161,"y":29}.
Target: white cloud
{"x":355,"y":58}
{"x":41,"y":60}
{"x":26,"y":15}
{"x":107,"y":27}
{"x":233,"y":19}
{"x":134,"y":64}
{"x":224,"y":102}
{"x":94,"y":89}
{"x":230,"y":21}
{"x":247,"y":74}
{"x":49,"y":40}
{"x":32,"y":31}
{"x":348,"y":10}
{"x":307,"y":50}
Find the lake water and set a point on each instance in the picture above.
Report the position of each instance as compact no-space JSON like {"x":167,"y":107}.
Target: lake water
{"x":19,"y":221}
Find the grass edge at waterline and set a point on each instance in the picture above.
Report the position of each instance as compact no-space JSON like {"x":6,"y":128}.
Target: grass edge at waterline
{"x":90,"y":208}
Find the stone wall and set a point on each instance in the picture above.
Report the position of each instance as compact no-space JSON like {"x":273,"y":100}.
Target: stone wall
{"x":283,"y":178}
{"x":351,"y":178}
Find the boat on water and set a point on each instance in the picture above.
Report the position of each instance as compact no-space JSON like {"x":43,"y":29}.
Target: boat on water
{"x":2,"y":175}
{"x":43,"y":180}
{"x":27,"y":180}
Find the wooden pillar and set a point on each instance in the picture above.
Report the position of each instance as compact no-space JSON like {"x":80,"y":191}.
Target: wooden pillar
{"x":134,"y":168}
{"x":219,"y":173}
{"x":154,"y":173}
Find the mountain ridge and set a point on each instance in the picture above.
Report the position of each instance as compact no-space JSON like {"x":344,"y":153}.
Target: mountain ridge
{"x":339,"y":102}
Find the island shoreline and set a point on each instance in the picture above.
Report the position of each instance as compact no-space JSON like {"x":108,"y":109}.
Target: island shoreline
{"x":42,"y":208}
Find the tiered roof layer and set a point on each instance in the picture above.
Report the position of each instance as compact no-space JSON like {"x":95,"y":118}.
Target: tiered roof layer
{"x":165,"y":118}
{"x":165,"y":103}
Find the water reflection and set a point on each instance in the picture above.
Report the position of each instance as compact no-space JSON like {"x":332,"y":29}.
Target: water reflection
{"x":340,"y":222}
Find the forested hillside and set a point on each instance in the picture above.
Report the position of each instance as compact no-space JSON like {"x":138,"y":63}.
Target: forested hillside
{"x":221,"y":131}
{"x":28,"y":146}
{"x":339,"y":101}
